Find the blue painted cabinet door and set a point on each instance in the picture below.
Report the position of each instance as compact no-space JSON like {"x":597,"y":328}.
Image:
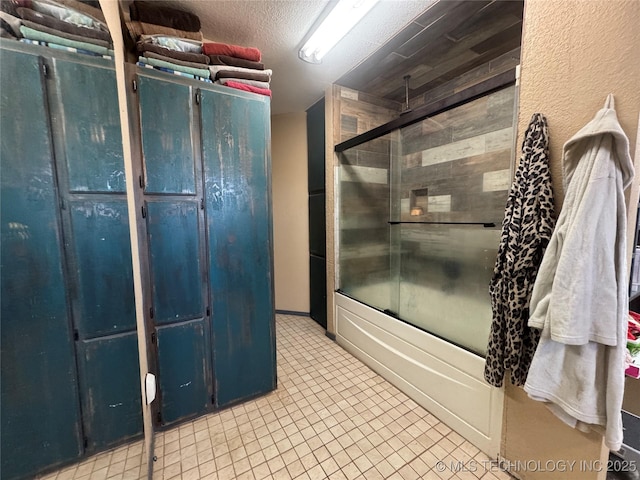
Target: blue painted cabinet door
{"x":166,"y":111}
{"x":174,"y":225}
{"x":236,"y":157}
{"x":91,"y":173}
{"x":39,"y":397}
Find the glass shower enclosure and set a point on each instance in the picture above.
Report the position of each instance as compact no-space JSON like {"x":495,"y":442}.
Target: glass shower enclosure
{"x":419,"y":216}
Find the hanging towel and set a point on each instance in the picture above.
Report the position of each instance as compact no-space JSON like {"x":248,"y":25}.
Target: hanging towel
{"x":526,"y":230}
{"x":580,"y":298}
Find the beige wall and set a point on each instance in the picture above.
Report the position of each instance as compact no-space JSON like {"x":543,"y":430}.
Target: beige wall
{"x":290,"y":211}
{"x":574,"y":53}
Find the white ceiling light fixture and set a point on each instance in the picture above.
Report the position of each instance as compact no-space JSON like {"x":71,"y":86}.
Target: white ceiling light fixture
{"x":344,"y":15}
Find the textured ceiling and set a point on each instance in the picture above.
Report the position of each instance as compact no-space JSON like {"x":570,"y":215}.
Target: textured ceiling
{"x":278,"y":28}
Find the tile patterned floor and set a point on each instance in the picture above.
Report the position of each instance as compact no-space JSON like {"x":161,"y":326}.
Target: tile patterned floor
{"x":331,"y":417}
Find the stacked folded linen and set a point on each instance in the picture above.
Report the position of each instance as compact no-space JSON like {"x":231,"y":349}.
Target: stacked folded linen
{"x":67,"y":24}
{"x":173,"y":54}
{"x":238,"y":67}
{"x":167,"y":39}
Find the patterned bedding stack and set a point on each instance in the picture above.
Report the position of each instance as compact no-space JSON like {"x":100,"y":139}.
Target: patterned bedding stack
{"x":167,"y":39}
{"x":238,"y":67}
{"x":63,"y":24}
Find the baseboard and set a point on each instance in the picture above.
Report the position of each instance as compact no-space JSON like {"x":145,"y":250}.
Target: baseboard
{"x":330,"y":335}
{"x":292,"y":312}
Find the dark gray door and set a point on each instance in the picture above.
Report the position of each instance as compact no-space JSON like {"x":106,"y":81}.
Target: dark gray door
{"x":317,"y":218}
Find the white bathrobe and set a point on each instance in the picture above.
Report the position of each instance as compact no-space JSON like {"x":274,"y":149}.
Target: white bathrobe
{"x":580,"y":298}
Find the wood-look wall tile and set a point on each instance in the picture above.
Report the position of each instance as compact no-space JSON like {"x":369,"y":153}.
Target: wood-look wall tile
{"x":496,"y":180}
{"x":354,"y":173}
{"x":348,"y":124}
{"x":452,"y":151}
{"x":439,"y":203}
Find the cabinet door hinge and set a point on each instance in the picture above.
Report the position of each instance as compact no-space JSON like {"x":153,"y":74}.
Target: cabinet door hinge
{"x":202,"y":203}
{"x":198,"y":96}
{"x":45,"y":70}
{"x":141,"y":181}
{"x":208,"y":311}
{"x":134,"y":84}
{"x":153,"y":338}
{"x":76,"y":335}
{"x":151,"y":312}
{"x":159,"y":417}
{"x":144,"y":212}
{"x":62,"y":204}
{"x":85,"y":442}
{"x":213,"y":399}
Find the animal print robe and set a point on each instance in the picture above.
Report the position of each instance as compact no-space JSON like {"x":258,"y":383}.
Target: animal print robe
{"x":526,"y":230}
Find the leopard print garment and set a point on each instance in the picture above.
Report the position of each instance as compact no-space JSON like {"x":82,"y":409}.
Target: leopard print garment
{"x":526,"y":230}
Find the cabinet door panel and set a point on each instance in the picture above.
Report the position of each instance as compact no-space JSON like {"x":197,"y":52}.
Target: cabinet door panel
{"x":104,"y":279}
{"x":93,"y":141}
{"x":39,"y":397}
{"x":236,"y":162}
{"x":167,"y":143}
{"x":176,"y":278}
{"x":182,"y":363}
{"x":110,"y":381}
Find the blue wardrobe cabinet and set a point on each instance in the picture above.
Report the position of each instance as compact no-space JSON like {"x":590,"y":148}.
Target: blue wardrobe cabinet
{"x":204,"y":170}
{"x":69,"y":356}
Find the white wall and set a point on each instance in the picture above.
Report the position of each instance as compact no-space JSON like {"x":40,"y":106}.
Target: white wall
{"x":290,"y":211}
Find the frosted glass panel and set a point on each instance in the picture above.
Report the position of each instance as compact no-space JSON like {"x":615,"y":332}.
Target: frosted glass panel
{"x":420,"y":215}
{"x":364,"y":253}
{"x":444,"y":281}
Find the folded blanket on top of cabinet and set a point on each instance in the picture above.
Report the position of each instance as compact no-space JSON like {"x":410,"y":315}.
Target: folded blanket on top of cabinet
{"x":41,"y":36}
{"x":67,"y":14}
{"x":84,"y":8}
{"x":174,"y":43}
{"x":200,"y":72}
{"x":151,"y":12}
{"x":69,"y":36}
{"x":239,"y":72}
{"x":185,"y":56}
{"x":257,"y":75}
{"x":235,"y":62}
{"x":137,"y":29}
{"x":248,"y":53}
{"x":10,"y":23}
{"x":249,"y":88}
{"x":253,"y":83}
{"x":45,"y":20}
{"x":158,"y":56}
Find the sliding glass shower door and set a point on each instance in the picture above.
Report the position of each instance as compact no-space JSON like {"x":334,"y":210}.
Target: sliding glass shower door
{"x":420,"y":216}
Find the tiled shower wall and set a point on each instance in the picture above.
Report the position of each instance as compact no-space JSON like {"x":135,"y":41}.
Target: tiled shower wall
{"x":456,"y":166}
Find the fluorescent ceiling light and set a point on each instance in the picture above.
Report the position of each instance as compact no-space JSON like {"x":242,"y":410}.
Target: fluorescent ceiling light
{"x":340,"y":20}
